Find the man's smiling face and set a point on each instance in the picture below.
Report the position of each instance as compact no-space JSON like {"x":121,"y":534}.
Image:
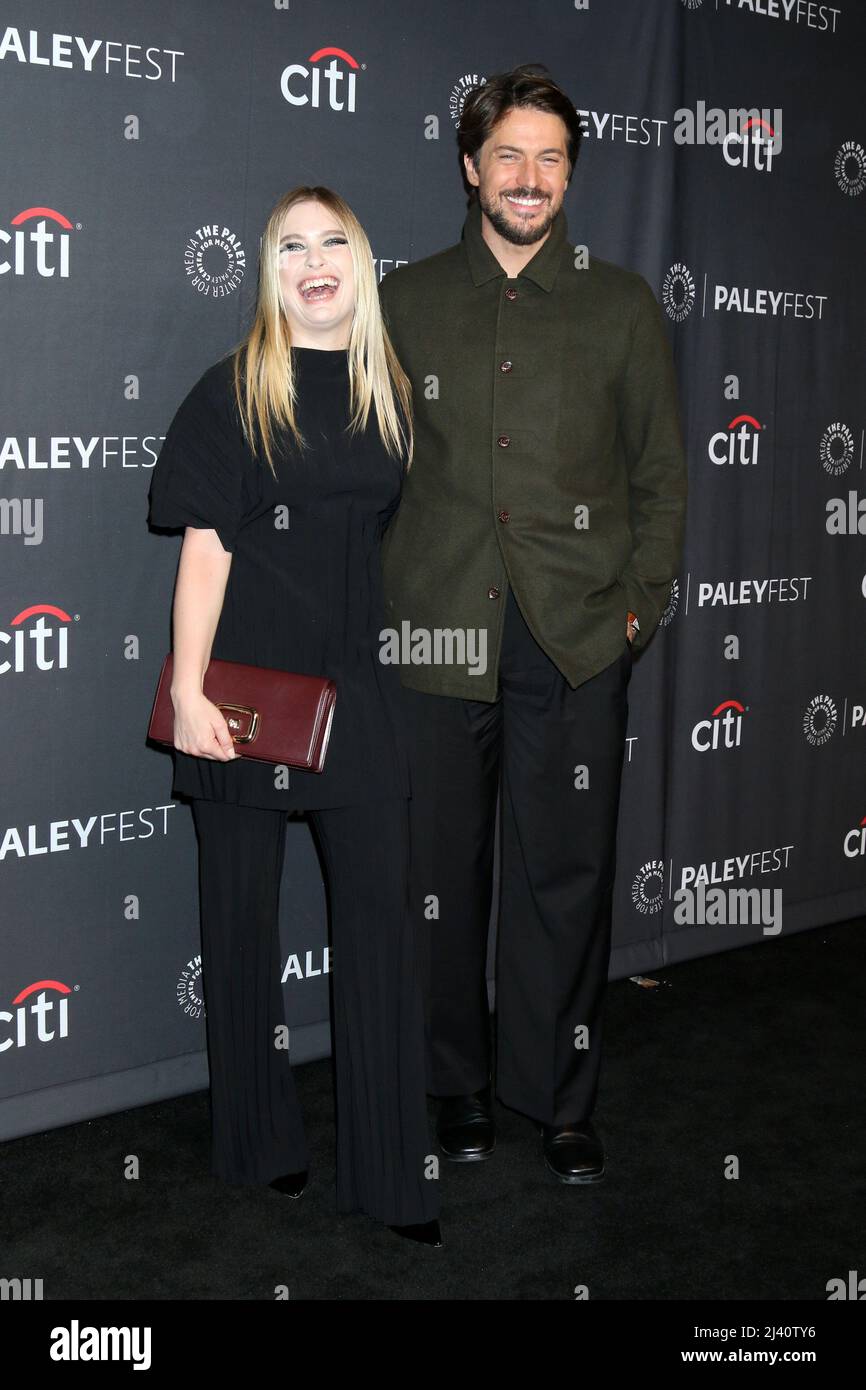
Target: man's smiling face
{"x":522,"y":174}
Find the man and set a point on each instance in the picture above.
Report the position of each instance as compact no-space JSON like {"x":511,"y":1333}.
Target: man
{"x":539,"y":530}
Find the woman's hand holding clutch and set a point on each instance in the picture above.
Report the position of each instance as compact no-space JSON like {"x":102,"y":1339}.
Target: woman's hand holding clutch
{"x":200,"y":728}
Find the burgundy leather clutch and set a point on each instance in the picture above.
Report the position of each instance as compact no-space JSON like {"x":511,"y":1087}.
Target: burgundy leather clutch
{"x":273,"y":716}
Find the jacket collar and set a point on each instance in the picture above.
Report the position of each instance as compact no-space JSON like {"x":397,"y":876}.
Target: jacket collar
{"x":483,"y":265}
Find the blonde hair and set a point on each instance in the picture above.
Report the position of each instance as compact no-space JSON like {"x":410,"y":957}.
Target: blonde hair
{"x":264,"y":378}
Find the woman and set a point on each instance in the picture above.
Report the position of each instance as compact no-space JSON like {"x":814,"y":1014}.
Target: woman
{"x":284,"y":464}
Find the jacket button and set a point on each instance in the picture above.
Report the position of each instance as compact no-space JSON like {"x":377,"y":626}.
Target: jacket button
{"x":503,"y":441}
{"x":510,"y":293}
{"x":493,"y":592}
{"x":505,"y":366}
{"x":504,"y":515}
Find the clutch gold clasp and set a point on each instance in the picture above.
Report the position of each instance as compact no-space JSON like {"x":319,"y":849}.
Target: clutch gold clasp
{"x":236,"y":723}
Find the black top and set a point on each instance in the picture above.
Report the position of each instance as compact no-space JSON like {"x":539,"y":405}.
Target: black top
{"x":304,"y":591}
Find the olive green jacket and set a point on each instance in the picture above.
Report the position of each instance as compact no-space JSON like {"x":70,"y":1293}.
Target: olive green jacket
{"x":548,"y":458}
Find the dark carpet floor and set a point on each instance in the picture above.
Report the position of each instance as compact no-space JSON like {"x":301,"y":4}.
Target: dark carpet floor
{"x":757,"y":1053}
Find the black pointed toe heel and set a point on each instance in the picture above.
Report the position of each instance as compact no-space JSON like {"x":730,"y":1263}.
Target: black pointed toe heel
{"x":291,"y":1184}
{"x":424,"y":1232}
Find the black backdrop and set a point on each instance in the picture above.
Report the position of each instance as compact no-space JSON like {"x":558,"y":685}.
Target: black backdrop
{"x":143,"y":147}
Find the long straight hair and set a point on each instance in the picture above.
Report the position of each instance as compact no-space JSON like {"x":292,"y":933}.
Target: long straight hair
{"x":264,"y":376}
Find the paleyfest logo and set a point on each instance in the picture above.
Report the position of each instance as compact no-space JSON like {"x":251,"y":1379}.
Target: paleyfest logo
{"x":215,"y":260}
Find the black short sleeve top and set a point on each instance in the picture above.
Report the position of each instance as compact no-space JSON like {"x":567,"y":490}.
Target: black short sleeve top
{"x":304,"y":591}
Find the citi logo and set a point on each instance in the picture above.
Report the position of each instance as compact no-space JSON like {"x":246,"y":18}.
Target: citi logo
{"x":738,"y":443}
{"x":854,"y":843}
{"x":42,"y":1020}
{"x":846,"y":516}
{"x":302,"y":86}
{"x":40,"y":643}
{"x":37,"y":248}
{"x":753,"y":147}
{"x":723,"y":729}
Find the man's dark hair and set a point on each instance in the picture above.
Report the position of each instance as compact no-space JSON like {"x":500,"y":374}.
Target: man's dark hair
{"x":486,"y":105}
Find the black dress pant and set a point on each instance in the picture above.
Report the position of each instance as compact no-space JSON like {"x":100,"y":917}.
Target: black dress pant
{"x":257,"y":1133}
{"x":558,"y":858}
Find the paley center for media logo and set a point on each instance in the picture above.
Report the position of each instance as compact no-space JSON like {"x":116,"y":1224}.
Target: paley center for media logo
{"x":836,"y":449}
{"x":849,"y":168}
{"x":41,"y":250}
{"x":307,"y":84}
{"x":679,"y":296}
{"x":214,"y":260}
{"x":460,"y":91}
{"x":821,"y":719}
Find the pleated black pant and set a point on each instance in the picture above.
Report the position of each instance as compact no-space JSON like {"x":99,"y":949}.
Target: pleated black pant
{"x":383,"y":1139}
{"x":558,"y":860}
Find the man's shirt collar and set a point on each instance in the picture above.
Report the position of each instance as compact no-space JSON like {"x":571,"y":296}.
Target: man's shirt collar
{"x":483,"y":265}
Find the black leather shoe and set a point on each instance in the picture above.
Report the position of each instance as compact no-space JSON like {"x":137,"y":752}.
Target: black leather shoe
{"x":425,"y":1232}
{"x":574,"y":1152}
{"x":291,"y":1184}
{"x":465,"y":1127}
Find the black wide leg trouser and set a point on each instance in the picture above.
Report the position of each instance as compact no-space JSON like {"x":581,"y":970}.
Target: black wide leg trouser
{"x":383,"y":1138}
{"x":558,"y":858}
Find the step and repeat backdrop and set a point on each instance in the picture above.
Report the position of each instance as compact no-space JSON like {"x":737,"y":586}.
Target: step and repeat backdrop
{"x":724,"y":157}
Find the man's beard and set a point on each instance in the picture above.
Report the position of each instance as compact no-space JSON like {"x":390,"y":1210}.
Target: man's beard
{"x":520,"y":234}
